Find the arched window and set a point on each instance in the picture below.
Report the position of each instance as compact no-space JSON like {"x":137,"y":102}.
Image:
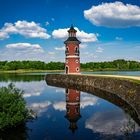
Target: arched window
{"x":68,"y":110}
{"x":76,"y":50}
{"x":67,"y":69}
{"x":67,"y":91}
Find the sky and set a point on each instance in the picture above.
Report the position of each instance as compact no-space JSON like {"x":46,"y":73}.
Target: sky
{"x":36,"y":29}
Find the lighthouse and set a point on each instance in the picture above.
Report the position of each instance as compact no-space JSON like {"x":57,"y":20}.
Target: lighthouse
{"x":72,"y":108}
{"x":72,"y":61}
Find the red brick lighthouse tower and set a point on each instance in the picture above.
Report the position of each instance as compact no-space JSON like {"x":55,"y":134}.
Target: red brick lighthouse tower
{"x":73,"y":108}
{"x":72,"y":64}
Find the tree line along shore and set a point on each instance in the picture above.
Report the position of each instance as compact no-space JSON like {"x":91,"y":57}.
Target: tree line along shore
{"x":38,"y":66}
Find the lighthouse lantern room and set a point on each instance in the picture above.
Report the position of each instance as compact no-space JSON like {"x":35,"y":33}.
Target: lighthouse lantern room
{"x":72,"y":62}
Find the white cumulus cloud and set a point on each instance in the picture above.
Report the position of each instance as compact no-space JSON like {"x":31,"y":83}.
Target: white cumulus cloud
{"x":61,"y":106}
{"x":3,"y":35}
{"x":60,"y":33}
{"x":40,"y":107}
{"x":25,"y":46}
{"x":23,"y":51}
{"x":88,"y":101}
{"x":24,"y":28}
{"x":114,"y":14}
{"x":83,"y":36}
{"x":60,"y":48}
{"x":83,"y":46}
{"x":26,"y":95}
{"x":114,"y":122}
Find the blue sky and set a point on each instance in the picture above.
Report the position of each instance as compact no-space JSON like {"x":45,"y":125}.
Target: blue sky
{"x":36,"y":29}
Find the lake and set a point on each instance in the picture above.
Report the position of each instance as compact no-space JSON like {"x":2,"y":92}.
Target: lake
{"x":66,"y":114}
{"x":129,"y":73}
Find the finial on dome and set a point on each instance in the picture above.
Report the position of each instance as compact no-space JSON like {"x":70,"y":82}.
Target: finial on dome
{"x":72,"y":29}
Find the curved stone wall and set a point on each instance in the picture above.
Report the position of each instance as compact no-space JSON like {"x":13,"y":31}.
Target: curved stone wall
{"x":127,"y":90}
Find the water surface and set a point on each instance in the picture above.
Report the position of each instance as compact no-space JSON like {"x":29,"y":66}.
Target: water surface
{"x":66,"y":114}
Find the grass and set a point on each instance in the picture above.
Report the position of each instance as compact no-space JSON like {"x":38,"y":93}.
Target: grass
{"x":131,"y":80}
{"x":108,"y":69}
{"x":128,"y":78}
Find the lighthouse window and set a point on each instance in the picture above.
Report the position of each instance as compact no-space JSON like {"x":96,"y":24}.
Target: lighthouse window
{"x":77,"y":61}
{"x":77,"y":69}
{"x":68,"y":110}
{"x":67,"y":93}
{"x":76,"y":50}
{"x":67,"y":90}
{"x":67,"y":69}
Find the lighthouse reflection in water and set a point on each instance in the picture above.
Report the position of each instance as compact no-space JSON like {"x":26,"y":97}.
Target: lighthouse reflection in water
{"x":72,"y":108}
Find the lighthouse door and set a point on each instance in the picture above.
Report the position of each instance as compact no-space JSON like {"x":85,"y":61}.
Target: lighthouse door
{"x":67,"y":70}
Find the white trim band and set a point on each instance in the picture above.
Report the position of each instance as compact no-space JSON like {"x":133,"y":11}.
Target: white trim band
{"x":72,"y":56}
{"x":71,"y":103}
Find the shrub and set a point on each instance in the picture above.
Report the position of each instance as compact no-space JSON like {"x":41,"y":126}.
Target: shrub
{"x":13,"y":109}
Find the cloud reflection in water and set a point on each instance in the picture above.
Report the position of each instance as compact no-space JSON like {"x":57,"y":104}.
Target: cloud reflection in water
{"x":111,"y":123}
